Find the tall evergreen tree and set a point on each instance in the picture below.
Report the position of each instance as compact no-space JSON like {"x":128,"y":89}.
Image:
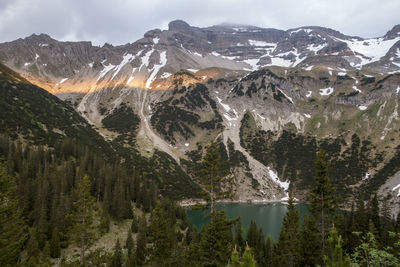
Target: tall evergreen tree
{"x":213,"y":175}
{"x":309,"y":243}
{"x":337,"y":257}
{"x":83,"y":230}
{"x":12,"y":228}
{"x":287,"y":251}
{"x":215,"y":241}
{"x":234,"y":261}
{"x":238,"y":240}
{"x":117,"y":257}
{"x":141,"y":242}
{"x":163,"y":236}
{"x":323,"y":199}
{"x":55,"y":250}
{"x":129,"y":243}
{"x":248,"y":258}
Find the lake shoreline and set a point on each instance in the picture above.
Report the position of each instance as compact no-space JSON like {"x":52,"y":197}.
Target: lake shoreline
{"x":193,"y":202}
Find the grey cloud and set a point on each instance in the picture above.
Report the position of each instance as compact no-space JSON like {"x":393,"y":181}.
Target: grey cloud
{"x":123,"y":21}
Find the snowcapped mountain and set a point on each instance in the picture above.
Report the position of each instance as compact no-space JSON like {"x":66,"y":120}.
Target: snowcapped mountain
{"x":60,"y":66}
{"x":271,"y":98}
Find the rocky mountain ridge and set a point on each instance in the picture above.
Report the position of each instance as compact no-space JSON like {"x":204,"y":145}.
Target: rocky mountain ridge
{"x":270,"y":98}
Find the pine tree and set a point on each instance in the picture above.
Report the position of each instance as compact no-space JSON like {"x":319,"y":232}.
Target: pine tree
{"x":12,"y":228}
{"x":336,"y":259}
{"x":134,"y":224}
{"x":252,"y":234}
{"x":234,"y":261}
{"x":55,"y":250}
{"x":287,"y":251}
{"x":374,"y":212}
{"x":309,"y":243}
{"x":238,"y":240}
{"x":323,"y":199}
{"x":129,"y":242}
{"x":141,"y":242}
{"x":269,"y":251}
{"x":213,"y":176}
{"x":248,"y":258}
{"x":163,"y":236}
{"x":215,"y":241}
{"x":117,"y":257}
{"x":361,"y":220}
{"x":83,"y":229}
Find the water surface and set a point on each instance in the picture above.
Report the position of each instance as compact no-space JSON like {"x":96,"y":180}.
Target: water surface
{"x":267,"y":215}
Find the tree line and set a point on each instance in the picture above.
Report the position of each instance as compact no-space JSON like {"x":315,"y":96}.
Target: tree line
{"x":66,"y":197}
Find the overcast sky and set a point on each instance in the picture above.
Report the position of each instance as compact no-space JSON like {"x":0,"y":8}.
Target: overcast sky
{"x":123,"y":21}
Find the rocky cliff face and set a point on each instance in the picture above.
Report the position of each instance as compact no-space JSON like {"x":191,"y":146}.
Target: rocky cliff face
{"x":270,"y":98}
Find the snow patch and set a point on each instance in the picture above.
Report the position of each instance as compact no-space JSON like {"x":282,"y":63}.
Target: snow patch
{"x":252,"y":62}
{"x":307,"y":115}
{"x":367,"y":175}
{"x":91,"y":65}
{"x":356,"y":89}
{"x":261,"y":43}
{"x":309,"y":93}
{"x":275,"y":178}
{"x":193,"y":70}
{"x":186,"y":144}
{"x":63,"y":80}
{"x":215,"y":54}
{"x":288,"y":97}
{"x":146,"y":57}
{"x":156,"y":40}
{"x":156,"y":68}
{"x":315,"y":48}
{"x":326,"y":91}
{"x":165,"y":75}
{"x":342,"y":74}
{"x":36,"y":56}
{"x":126,"y":58}
{"x":104,"y":71}
{"x":397,"y":187}
{"x":129,"y":80}
{"x":373,"y":49}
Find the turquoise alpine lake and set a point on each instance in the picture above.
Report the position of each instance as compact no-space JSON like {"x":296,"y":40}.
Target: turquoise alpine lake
{"x":269,"y":216}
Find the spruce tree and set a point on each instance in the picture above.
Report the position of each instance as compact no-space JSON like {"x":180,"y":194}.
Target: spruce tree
{"x":134,"y":224}
{"x":215,"y":241}
{"x":117,"y":257}
{"x":269,"y":251}
{"x":322,"y":199}
{"x":337,"y":257}
{"x":234,"y":261}
{"x":55,"y":250}
{"x":248,"y":258}
{"x":287,"y":251}
{"x":238,"y":240}
{"x":83,"y":230}
{"x":213,"y":176}
{"x":141,"y":242}
{"x":310,"y":245}
{"x":129,"y":242}
{"x":12,"y":228}
{"x":163,"y":236}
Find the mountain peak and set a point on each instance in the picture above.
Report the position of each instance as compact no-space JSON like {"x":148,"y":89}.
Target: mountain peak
{"x":178,"y":25}
{"x":393,"y":33}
